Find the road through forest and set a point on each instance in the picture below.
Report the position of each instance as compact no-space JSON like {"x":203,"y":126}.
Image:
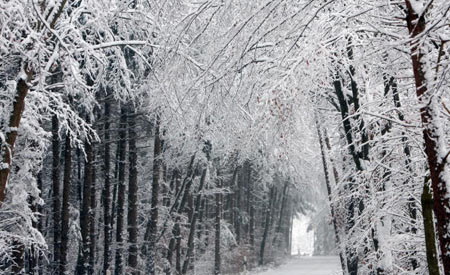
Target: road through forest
{"x":327,"y":265}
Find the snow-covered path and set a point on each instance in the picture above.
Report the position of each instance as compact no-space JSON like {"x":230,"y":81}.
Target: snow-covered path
{"x":308,"y":266}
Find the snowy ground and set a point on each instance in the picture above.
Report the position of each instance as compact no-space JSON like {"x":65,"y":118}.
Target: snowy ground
{"x":308,"y":266}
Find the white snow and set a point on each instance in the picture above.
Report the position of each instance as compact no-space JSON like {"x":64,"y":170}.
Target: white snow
{"x":418,"y":6}
{"x":326,"y":265}
{"x":302,"y":239}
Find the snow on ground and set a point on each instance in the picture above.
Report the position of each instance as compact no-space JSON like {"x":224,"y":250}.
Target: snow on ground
{"x":320,"y":265}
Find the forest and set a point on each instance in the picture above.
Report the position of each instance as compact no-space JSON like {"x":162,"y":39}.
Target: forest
{"x":184,"y":137}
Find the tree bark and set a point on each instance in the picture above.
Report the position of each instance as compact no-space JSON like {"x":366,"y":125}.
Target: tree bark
{"x":266,"y":226}
{"x":252,"y":211}
{"x":132,"y":194}
{"x":190,"y":243}
{"x":56,"y":193}
{"x":67,"y":181}
{"x":175,"y":240}
{"x":217,"y":257}
{"x":329,"y":190}
{"x":92,"y":218}
{"x":7,"y":148}
{"x":436,"y":163}
{"x":430,"y":237}
{"x":83,"y":263}
{"x":237,"y":209}
{"x":152,"y":225}
{"x":107,"y":188}
{"x":279,"y":227}
{"x":122,"y":147}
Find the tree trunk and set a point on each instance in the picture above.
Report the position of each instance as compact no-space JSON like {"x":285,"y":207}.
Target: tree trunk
{"x":190,"y":243}
{"x":18,"y":263}
{"x":351,"y":256}
{"x":92,"y":219}
{"x":152,"y":225}
{"x":122,"y":147}
{"x":237,"y":210}
{"x":266,"y":226}
{"x":56,"y":193}
{"x":178,"y":252}
{"x":7,"y":149}
{"x":436,"y":163}
{"x":329,"y":190}
{"x":430,"y":237}
{"x":231,"y":197}
{"x":67,"y":181}
{"x":279,"y":228}
{"x":132,"y":194}
{"x":250,"y":206}
{"x":217,"y":257}
{"x":40,"y":224}
{"x":83,"y":262}
{"x":107,"y":189}
{"x":175,"y":240}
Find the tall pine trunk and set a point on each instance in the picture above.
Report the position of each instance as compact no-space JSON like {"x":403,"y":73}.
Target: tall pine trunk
{"x":67,"y":182}
{"x":132,"y":194}
{"x":122,"y":147}
{"x":56,"y":193}
{"x":152,"y":225}
{"x":93,"y":219}
{"x":107,"y":188}
{"x":83,"y":261}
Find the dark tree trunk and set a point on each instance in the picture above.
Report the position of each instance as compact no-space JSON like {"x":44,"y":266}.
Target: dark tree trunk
{"x":7,"y":149}
{"x":152,"y":225}
{"x":329,"y":190}
{"x":67,"y":181}
{"x":132,"y":194}
{"x":279,"y":227}
{"x":83,"y":262}
{"x":364,"y":153}
{"x":32,"y":256}
{"x":6,"y":154}
{"x":122,"y":147}
{"x":92,"y":218}
{"x":18,"y":264}
{"x":346,"y":122}
{"x":107,"y":189}
{"x":56,"y":193}
{"x":217,"y":257}
{"x":178,"y":252}
{"x":115,"y":188}
{"x":417,"y":26}
{"x":250,"y":206}
{"x":175,"y":240}
{"x":190,"y":243}
{"x":231,"y":198}
{"x":237,"y":210}
{"x":352,"y":258}
{"x":412,"y":205}
{"x":40,"y":223}
{"x":268,"y":214}
{"x":430,"y":237}
{"x":78,"y":188}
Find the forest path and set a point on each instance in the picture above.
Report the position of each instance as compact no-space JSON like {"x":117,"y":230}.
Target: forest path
{"x":320,"y":265}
